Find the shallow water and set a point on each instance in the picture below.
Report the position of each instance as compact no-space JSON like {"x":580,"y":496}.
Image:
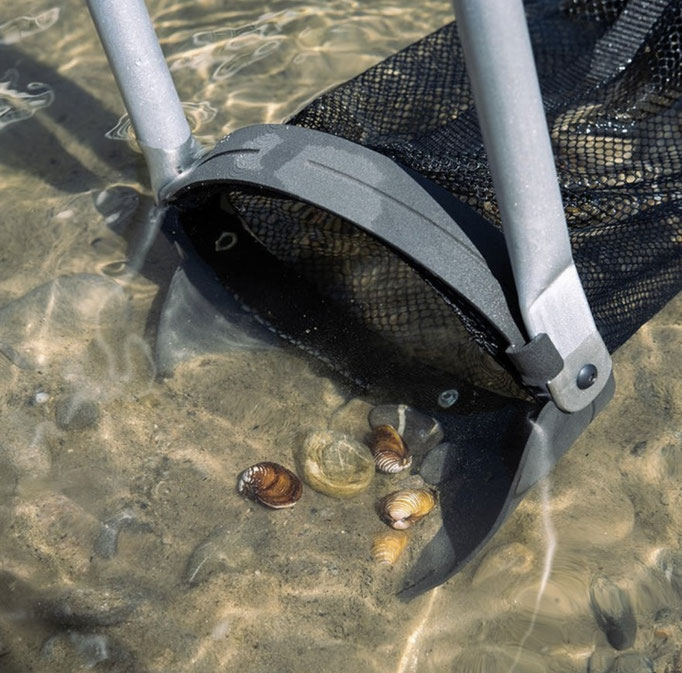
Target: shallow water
{"x":123,"y":544}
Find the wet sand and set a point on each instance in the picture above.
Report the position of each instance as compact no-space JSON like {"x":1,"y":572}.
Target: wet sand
{"x":123,"y":543}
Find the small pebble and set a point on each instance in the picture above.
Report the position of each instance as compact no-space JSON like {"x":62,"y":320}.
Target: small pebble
{"x":105,"y":246}
{"x":115,"y":269}
{"x":41,"y":398}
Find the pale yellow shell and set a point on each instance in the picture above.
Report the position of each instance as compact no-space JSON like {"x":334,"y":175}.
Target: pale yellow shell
{"x":335,"y":464}
{"x":401,"y":509}
{"x":388,"y":545}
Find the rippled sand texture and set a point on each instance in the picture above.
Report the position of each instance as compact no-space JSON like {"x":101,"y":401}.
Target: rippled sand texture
{"x":123,"y":543}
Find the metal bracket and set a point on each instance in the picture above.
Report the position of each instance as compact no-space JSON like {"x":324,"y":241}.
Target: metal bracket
{"x":501,"y":68}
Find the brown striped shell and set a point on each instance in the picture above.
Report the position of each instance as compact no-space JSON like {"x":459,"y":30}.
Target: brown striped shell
{"x":389,"y":450}
{"x":388,"y":545}
{"x":270,"y":484}
{"x":403,"y":508}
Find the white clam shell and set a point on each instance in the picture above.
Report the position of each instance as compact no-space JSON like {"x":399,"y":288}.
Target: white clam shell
{"x":401,"y":509}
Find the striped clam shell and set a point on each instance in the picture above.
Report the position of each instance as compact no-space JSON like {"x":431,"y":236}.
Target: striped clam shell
{"x":270,"y":484}
{"x":388,"y":545}
{"x":401,"y":509}
{"x":389,"y":450}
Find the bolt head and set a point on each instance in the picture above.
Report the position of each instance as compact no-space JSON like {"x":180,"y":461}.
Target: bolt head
{"x":586,"y":377}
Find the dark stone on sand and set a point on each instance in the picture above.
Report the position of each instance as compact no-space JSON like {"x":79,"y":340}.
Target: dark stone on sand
{"x":117,"y":204}
{"x":613,"y":611}
{"x":75,"y":414}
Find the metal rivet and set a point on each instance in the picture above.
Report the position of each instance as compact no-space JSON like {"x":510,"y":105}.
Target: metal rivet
{"x":586,"y":377}
{"x":448,"y":397}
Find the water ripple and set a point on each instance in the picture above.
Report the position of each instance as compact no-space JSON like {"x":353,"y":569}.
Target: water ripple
{"x":198,"y":114}
{"x":16,"y":30}
{"x":17,"y":105}
{"x":225,"y":51}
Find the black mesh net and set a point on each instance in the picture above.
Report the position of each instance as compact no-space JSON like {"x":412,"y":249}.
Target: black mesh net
{"x":610,"y":75}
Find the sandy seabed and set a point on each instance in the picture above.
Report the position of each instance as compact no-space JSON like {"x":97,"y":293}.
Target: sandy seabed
{"x":123,"y":543}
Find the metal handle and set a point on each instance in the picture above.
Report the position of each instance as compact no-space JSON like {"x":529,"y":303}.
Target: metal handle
{"x":138,"y":64}
{"x":501,"y":68}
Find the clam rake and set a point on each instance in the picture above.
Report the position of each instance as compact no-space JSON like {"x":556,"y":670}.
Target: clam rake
{"x":540,"y":315}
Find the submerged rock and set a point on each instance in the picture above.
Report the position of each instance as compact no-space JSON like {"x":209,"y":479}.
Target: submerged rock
{"x":351,"y":418}
{"x":419,"y":431}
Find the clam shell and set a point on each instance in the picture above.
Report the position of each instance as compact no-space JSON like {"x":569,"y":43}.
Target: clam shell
{"x":335,"y":464}
{"x":388,"y":545}
{"x":401,"y":509}
{"x":419,"y":431}
{"x":270,"y":484}
{"x":389,"y":450}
